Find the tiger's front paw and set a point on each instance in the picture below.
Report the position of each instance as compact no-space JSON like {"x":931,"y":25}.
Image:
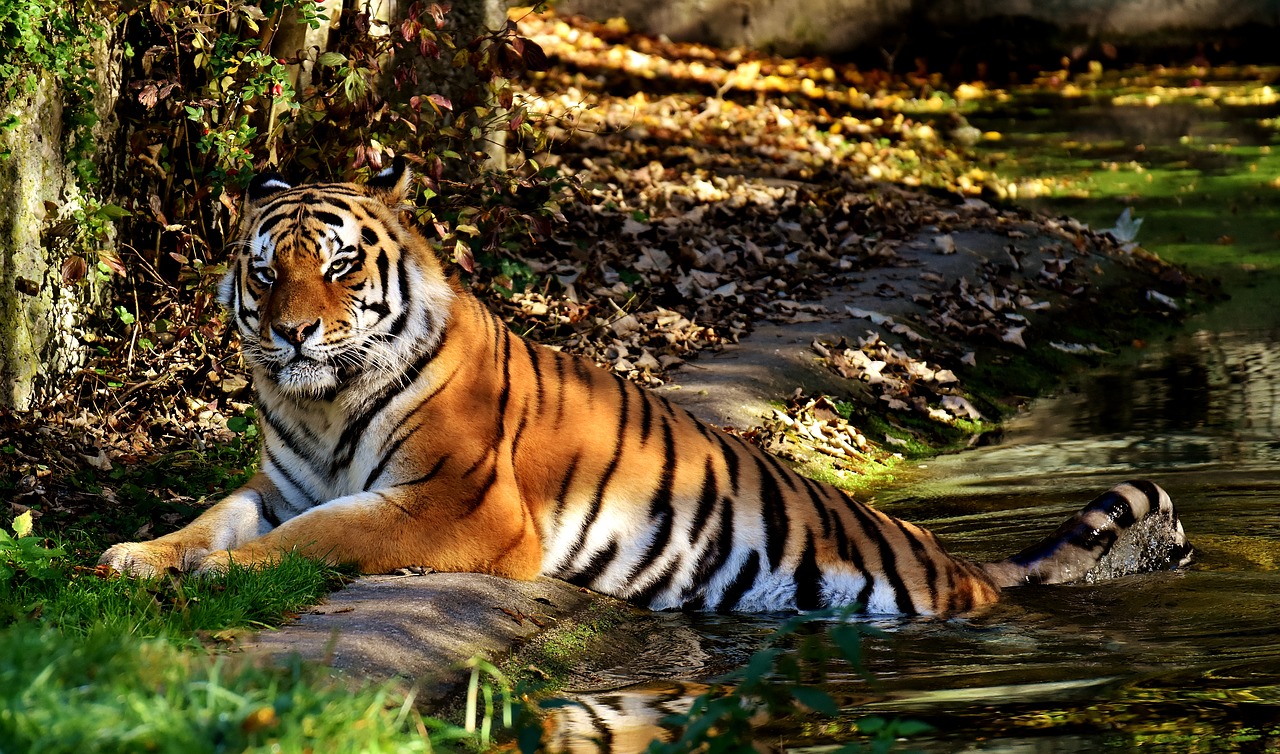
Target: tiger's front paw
{"x":148,"y":559}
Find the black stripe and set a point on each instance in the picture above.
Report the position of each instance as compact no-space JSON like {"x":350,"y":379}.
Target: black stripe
{"x":730,"y":452}
{"x":1120,"y":510}
{"x":431,"y":473}
{"x":745,"y":579}
{"x":305,"y":450}
{"x":706,"y":500}
{"x":402,"y":316}
{"x":589,"y":572}
{"x":842,"y":539}
{"x":808,"y":577}
{"x":270,"y":220}
{"x":395,"y":504}
{"x":598,"y":498}
{"x":819,"y":504}
{"x":268,"y":513}
{"x":498,"y":329}
{"x":389,"y":452}
{"x":787,"y":476}
{"x":1097,"y":541}
{"x":490,"y":454}
{"x":698,"y":424}
{"x":923,"y":555}
{"x":564,"y":487}
{"x":504,"y":395}
{"x":774,"y":510}
{"x":560,"y":387}
{"x":658,"y":584}
{"x":383,"y":264}
{"x":853,"y":556}
{"x":584,"y":375}
{"x":1148,"y":488}
{"x":536,"y":365}
{"x":710,"y":565}
{"x":368,"y":236}
{"x":603,"y":731}
{"x":888,"y":561}
{"x":355,"y":429}
{"x":376,"y":472}
{"x":646,"y":417}
{"x":243,"y":313}
{"x":520,"y":426}
{"x":473,"y":504}
{"x":328,"y":218}
{"x":268,"y":457}
{"x":661,"y":512}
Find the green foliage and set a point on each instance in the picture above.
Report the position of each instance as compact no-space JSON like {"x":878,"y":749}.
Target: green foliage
{"x":52,"y":38}
{"x":779,"y":681}
{"x":23,"y":555}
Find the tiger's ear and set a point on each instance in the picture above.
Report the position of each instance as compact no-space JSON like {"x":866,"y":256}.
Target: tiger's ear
{"x":264,"y":186}
{"x":392,"y":184}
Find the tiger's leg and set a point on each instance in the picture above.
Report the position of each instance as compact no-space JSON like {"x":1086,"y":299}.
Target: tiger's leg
{"x":383,"y":530}
{"x":236,"y":519}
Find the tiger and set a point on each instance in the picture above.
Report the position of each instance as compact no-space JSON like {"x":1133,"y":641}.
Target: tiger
{"x":404,"y":424}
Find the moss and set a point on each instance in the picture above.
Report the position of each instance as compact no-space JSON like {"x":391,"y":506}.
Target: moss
{"x":549,"y":659}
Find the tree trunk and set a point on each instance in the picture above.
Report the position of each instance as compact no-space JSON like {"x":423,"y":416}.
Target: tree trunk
{"x":42,"y":321}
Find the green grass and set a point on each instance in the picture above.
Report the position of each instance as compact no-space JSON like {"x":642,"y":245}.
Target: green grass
{"x":76,"y":600}
{"x":104,"y":663}
{"x":107,"y":692}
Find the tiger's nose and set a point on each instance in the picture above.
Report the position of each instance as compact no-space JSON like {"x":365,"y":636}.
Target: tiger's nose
{"x":295,"y":334}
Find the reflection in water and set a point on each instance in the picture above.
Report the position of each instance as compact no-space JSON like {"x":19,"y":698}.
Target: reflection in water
{"x":1170,"y":662}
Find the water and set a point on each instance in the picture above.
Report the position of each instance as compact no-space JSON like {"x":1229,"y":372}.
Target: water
{"x":1166,"y":662}
{"x":1172,"y":662}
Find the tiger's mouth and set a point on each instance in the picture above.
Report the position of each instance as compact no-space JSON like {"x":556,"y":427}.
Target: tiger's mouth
{"x":307,"y":377}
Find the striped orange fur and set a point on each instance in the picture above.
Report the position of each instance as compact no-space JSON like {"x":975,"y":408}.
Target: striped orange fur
{"x":404,"y":424}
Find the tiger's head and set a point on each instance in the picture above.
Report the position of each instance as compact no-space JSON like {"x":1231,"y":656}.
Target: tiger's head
{"x":328,"y":289}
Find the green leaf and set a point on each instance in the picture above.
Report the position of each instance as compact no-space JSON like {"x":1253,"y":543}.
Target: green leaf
{"x":238,"y":424}
{"x":112,"y":212}
{"x":908,"y":728}
{"x":849,"y":640}
{"x":816,"y":700}
{"x":331,"y":59}
{"x":22,"y":524}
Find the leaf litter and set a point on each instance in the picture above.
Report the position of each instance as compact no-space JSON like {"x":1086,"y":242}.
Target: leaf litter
{"x":719,"y":189}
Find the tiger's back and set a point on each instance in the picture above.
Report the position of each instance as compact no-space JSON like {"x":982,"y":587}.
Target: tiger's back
{"x":404,"y":424}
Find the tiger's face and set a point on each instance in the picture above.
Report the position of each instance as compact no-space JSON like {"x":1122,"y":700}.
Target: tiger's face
{"x":320,"y":288}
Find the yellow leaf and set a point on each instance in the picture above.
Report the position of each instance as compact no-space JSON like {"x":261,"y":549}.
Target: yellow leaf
{"x":22,"y":524}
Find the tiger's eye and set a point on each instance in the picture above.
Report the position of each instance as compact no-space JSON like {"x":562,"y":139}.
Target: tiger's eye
{"x":264,"y":275}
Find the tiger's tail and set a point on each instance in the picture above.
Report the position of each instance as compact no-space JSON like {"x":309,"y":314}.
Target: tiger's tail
{"x":1131,"y":528}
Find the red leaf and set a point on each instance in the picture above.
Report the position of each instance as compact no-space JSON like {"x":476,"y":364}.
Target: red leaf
{"x":441,"y":101}
{"x":149,"y":95}
{"x":111,"y":260}
{"x":409,"y":29}
{"x":437,"y":12}
{"x":534,"y":56}
{"x":74,"y":269}
{"x":463,"y":256}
